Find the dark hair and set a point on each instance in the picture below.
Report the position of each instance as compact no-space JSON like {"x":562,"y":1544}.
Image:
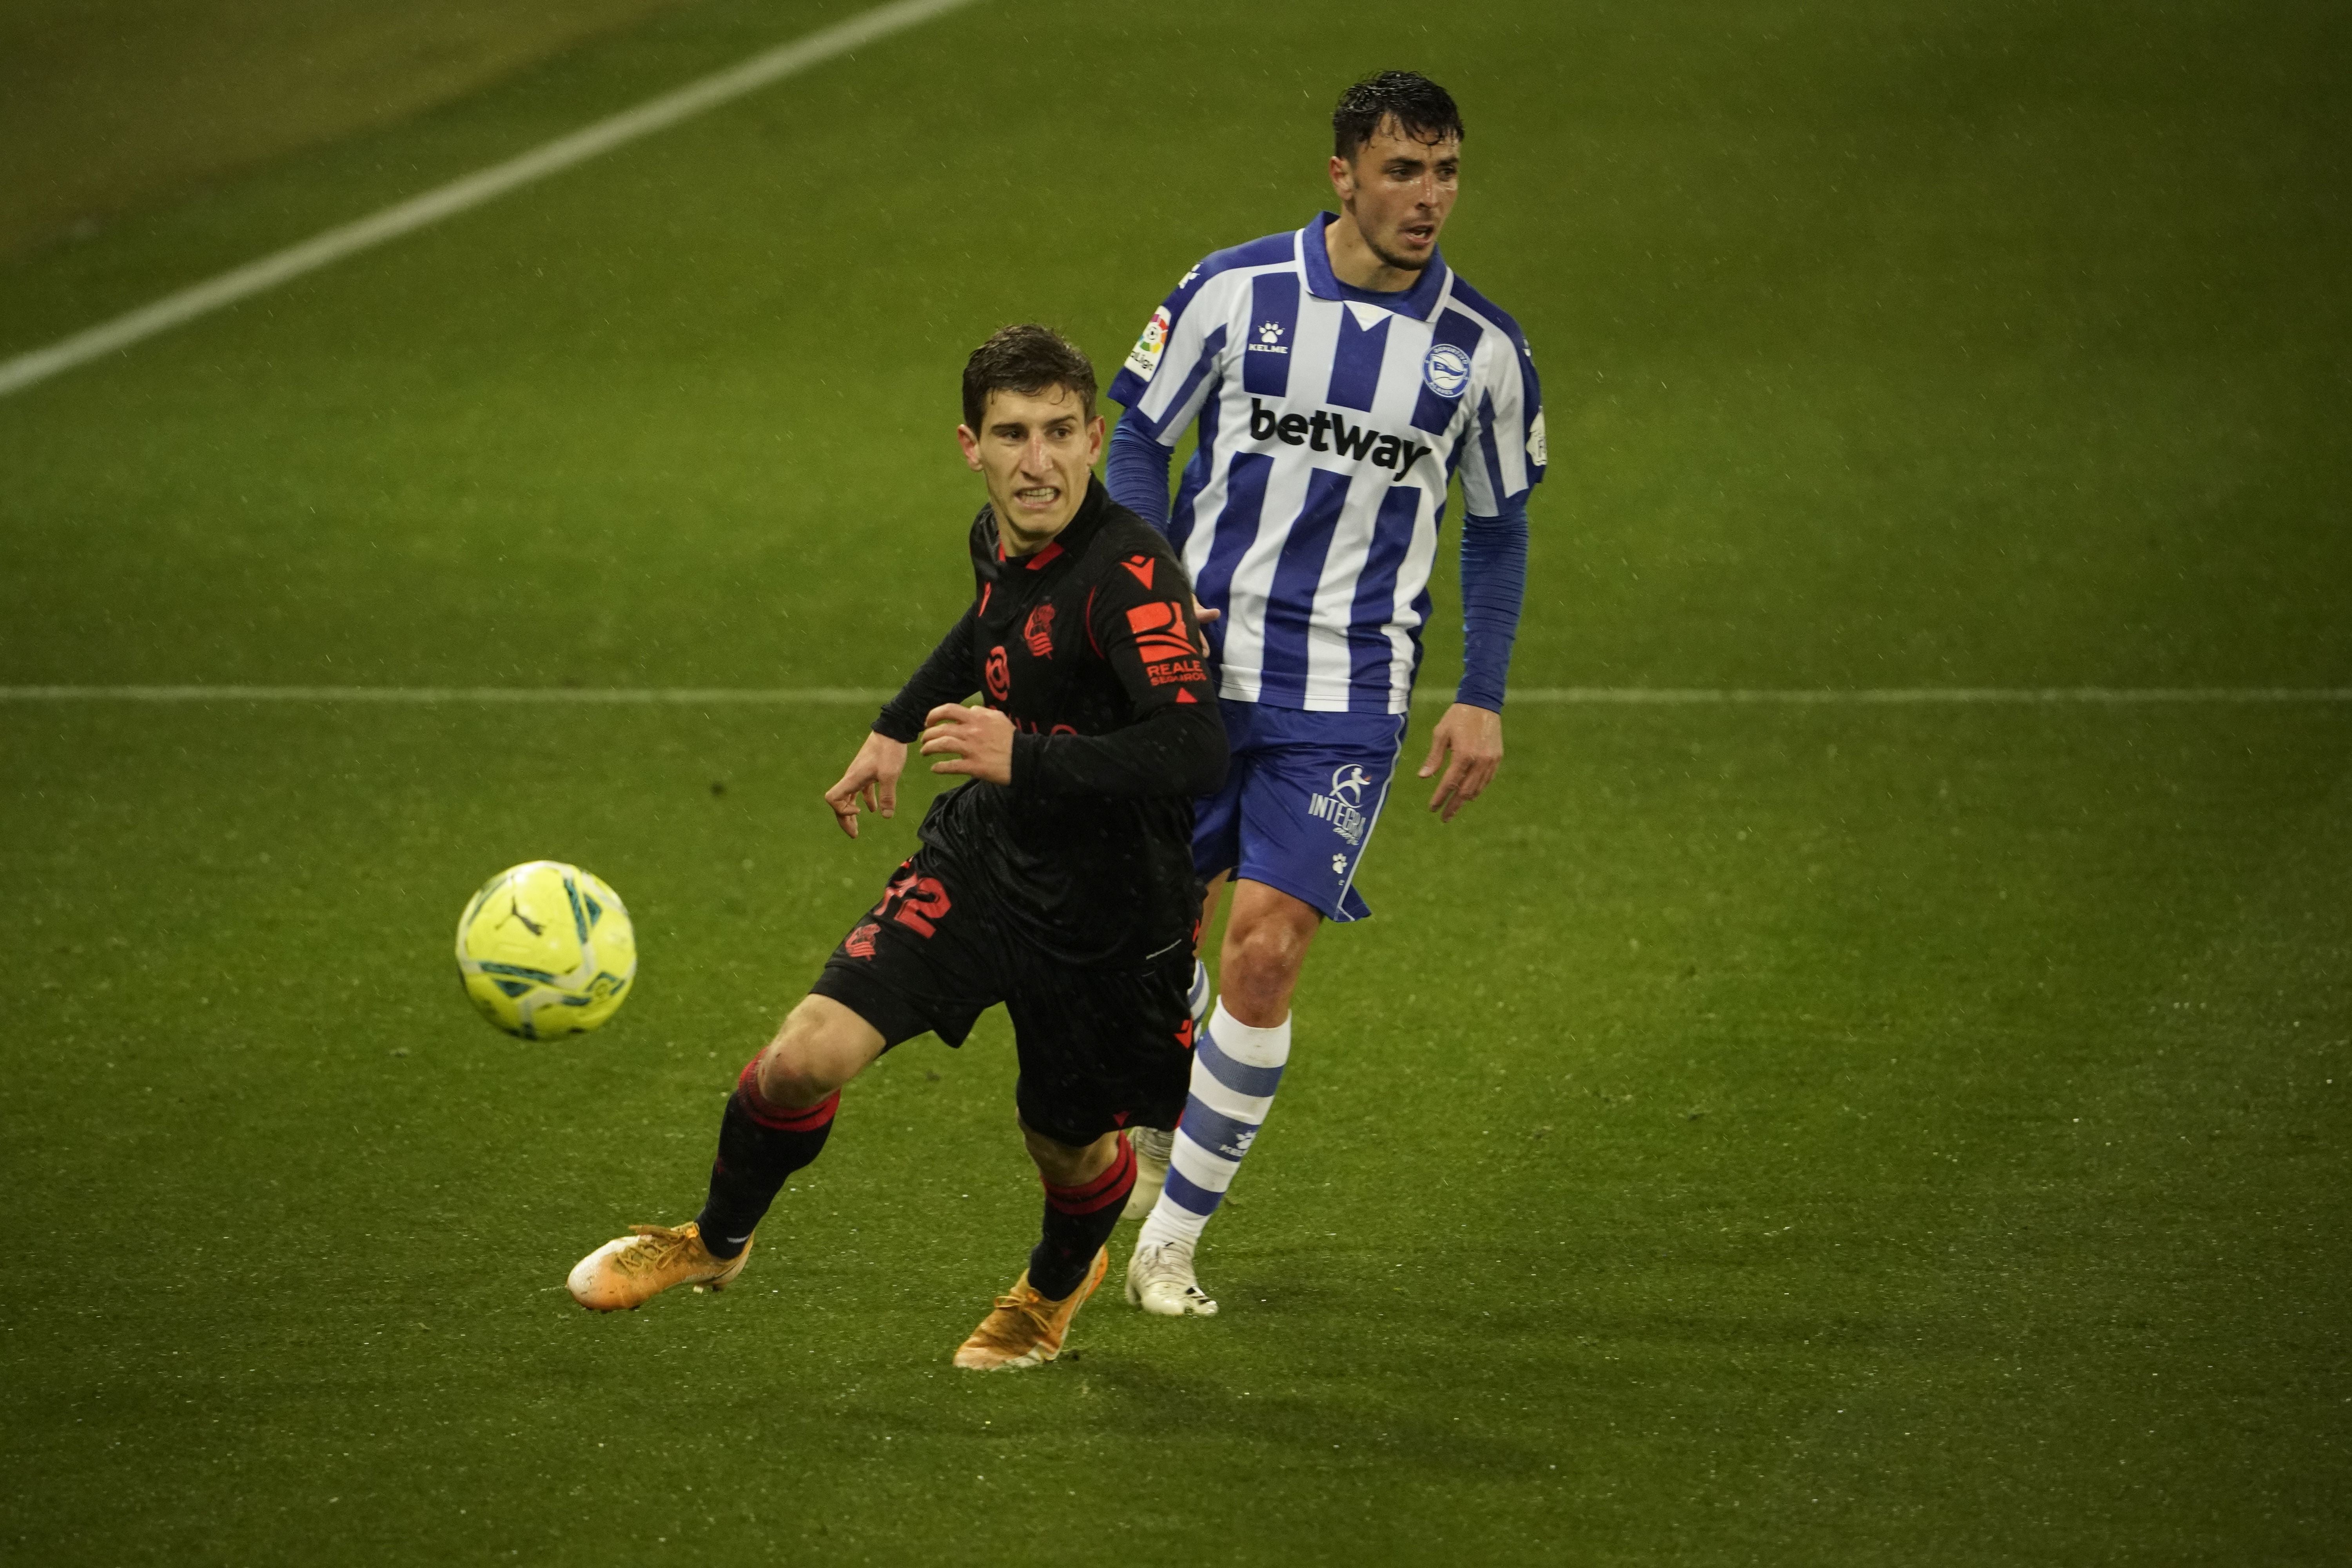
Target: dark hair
{"x":1420,"y":108}
{"x":1026,"y":359}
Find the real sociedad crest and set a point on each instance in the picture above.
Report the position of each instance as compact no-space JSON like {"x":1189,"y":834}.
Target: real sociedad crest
{"x":1446,"y":369}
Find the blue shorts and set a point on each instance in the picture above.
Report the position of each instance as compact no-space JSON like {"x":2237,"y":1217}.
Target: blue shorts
{"x":1299,"y":801}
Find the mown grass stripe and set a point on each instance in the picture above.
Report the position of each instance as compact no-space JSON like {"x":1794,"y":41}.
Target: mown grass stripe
{"x":851,"y":695}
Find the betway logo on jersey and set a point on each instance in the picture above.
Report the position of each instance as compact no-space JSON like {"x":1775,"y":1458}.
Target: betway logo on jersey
{"x":1357,"y":443}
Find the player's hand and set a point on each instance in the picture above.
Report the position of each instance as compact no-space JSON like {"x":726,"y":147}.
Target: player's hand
{"x":977,"y":741}
{"x":1475,"y":737}
{"x":1203,"y":616}
{"x":872,"y":780}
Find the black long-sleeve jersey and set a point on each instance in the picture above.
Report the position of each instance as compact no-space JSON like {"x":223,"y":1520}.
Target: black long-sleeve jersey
{"x":1089,"y":647}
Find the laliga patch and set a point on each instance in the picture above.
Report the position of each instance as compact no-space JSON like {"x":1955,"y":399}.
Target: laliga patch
{"x":1445,"y":370}
{"x":1536,"y":450}
{"x":1144,"y":358}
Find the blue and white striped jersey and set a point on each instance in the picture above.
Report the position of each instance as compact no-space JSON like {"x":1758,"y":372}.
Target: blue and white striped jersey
{"x":1331,"y":420}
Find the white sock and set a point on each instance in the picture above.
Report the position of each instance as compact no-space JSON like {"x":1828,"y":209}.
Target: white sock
{"x":1236,"y":1070}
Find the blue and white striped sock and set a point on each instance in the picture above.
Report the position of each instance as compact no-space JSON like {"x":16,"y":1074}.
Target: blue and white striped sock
{"x":1199,"y":999}
{"x":1235,"y":1070}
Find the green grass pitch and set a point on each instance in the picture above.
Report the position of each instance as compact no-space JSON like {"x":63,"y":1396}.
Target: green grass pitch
{"x":1844,"y":1135}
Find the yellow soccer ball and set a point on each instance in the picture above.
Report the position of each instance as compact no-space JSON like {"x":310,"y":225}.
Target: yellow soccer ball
{"x":546,"y":948}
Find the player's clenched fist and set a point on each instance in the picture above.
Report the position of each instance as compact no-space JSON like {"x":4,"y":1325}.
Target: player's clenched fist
{"x":975,"y":741}
{"x":872,"y":780}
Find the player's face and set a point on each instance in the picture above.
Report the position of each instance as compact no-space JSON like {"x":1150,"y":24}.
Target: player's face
{"x":1400,"y":191}
{"x":1037,"y":450}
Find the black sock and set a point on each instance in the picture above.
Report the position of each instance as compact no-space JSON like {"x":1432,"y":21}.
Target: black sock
{"x":1078,"y":1220}
{"x":759,"y":1146}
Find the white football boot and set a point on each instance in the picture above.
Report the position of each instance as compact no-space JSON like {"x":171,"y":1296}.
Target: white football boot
{"x":1160,"y":1280}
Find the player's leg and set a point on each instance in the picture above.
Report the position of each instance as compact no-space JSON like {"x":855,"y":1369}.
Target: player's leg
{"x":1102,"y":1050}
{"x":1203,"y":990}
{"x":780,"y":1115}
{"x":1152,"y":1146}
{"x":1237,"y":1065}
{"x":1085,"y":1185}
{"x":775,"y":1122}
{"x":1264,"y":951}
{"x":1217,"y":849}
{"x":1305,"y":819}
{"x":917,"y":963}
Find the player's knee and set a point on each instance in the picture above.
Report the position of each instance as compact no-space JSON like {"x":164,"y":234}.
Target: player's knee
{"x":790,"y":1081}
{"x":1266,"y":953}
{"x":1063,"y":1164}
{"x":798,"y":1069}
{"x":1055,"y":1160}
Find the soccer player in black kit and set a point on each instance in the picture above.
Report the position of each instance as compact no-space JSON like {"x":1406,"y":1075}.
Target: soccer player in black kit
{"x":1058,"y":880}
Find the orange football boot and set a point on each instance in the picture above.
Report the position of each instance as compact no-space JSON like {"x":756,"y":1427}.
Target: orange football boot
{"x":1026,"y":1328}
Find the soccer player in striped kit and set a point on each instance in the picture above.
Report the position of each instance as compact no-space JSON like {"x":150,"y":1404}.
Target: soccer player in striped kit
{"x":1341,"y":375}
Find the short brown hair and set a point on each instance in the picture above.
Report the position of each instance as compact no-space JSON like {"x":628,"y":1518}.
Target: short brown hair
{"x":1026,"y":359}
{"x":1423,"y":110}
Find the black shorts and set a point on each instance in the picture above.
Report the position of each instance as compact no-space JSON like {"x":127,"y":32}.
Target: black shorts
{"x":1101,"y":1046}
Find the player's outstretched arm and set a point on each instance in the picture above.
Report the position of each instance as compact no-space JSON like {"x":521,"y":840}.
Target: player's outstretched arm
{"x":873,"y":775}
{"x":871,"y":782}
{"x":1473,"y":737}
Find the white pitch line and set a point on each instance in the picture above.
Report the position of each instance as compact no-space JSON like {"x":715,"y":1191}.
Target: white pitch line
{"x":483,"y":185}
{"x":1900,"y":696}
{"x":853,"y":696}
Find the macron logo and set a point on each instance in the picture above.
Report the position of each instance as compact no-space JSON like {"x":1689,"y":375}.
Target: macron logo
{"x":1357,"y":443}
